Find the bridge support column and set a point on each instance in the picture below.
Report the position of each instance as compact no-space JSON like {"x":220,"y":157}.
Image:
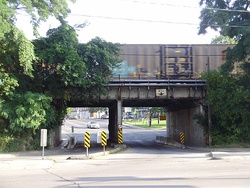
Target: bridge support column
{"x":119,"y":112}
{"x":183,"y":121}
{"x":115,"y":119}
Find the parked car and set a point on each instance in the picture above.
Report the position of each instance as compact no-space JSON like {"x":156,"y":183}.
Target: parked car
{"x":104,"y":116}
{"x":93,"y":125}
{"x":130,"y":116}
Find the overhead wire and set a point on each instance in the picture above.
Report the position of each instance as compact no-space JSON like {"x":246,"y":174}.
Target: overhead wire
{"x":163,"y":21}
{"x":168,"y":22}
{"x":187,"y":6}
{"x":157,"y":21}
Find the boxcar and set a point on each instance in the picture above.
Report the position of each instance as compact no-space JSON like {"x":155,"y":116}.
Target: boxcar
{"x":150,"y":61}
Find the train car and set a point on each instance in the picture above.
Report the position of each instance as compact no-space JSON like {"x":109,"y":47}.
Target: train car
{"x":150,"y":61}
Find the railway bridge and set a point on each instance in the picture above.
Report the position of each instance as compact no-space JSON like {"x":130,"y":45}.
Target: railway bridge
{"x":181,"y":98}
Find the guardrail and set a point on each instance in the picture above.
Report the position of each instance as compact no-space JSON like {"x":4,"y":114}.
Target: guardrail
{"x":159,"y":82}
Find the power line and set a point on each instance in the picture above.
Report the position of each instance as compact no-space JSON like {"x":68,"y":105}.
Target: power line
{"x":173,"y":5}
{"x":157,"y":21}
{"x":150,"y":21}
{"x":131,"y":19}
{"x":162,"y":21}
{"x":161,"y":4}
{"x":186,"y":6}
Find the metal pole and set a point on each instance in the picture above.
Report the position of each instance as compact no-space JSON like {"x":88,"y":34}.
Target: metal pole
{"x":43,"y":151}
{"x":103,"y":150}
{"x":209,"y":111}
{"x":87,"y":152}
{"x":149,"y":118}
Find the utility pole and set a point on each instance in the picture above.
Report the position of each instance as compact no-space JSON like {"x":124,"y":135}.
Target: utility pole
{"x":209,"y":111}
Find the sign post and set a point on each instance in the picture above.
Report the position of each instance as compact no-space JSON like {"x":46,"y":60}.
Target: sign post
{"x":87,"y":142}
{"x":104,"y":141}
{"x":182,"y":139}
{"x":43,"y":140}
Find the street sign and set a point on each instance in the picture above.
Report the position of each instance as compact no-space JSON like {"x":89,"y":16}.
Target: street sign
{"x":86,"y":140}
{"x":104,"y":138}
{"x":161,"y":92}
{"x":43,"y":140}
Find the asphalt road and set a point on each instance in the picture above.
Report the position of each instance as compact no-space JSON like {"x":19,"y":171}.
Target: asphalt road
{"x":144,"y":164}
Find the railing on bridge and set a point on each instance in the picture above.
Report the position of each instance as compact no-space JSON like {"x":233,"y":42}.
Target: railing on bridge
{"x":157,"y":82}
{"x":184,"y":75}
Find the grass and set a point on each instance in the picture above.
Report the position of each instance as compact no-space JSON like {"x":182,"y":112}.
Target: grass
{"x":144,"y":123}
{"x":233,"y":145}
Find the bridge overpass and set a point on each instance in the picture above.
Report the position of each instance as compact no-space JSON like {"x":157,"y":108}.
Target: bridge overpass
{"x":181,"y":98}
{"x":162,"y":75}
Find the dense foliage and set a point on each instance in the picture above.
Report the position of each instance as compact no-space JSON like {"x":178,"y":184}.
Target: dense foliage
{"x":229,"y":88}
{"x":37,"y":78}
{"x":23,"y":107}
{"x":229,"y":98}
{"x":223,"y":40}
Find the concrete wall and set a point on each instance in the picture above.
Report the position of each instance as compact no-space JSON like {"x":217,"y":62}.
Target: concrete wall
{"x":183,"y":121}
{"x":55,"y":137}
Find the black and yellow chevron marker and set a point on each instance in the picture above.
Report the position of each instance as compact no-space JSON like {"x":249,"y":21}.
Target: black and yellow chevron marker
{"x":182,"y":137}
{"x":86,"y":140}
{"x":104,"y":138}
{"x":120,"y":139}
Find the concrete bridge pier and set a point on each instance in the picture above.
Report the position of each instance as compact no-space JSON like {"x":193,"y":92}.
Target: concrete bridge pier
{"x":115,"y":119}
{"x":182,"y":121}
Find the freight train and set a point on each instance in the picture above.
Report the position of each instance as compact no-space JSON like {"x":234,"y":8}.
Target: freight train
{"x":158,"y":61}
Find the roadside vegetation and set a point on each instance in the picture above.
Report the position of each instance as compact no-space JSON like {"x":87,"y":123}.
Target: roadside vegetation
{"x":39,"y":77}
{"x":228,"y":88}
{"x":143,"y":122}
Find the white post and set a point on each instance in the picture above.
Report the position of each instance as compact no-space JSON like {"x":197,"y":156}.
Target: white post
{"x":43,"y":140}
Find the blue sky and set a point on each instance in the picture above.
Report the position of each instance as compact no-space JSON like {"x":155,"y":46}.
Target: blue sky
{"x":133,"y":21}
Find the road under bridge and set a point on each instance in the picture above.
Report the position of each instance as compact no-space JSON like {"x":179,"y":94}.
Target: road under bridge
{"x":182,"y":99}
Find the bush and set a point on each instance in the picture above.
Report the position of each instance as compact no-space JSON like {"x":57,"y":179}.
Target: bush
{"x":11,"y":144}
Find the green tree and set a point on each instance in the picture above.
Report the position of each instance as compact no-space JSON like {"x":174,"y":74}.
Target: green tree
{"x":231,"y":19}
{"x":23,"y":105}
{"x":37,"y":10}
{"x":69,"y":71}
{"x":223,"y":40}
{"x":100,"y":58}
{"x":229,"y":94}
{"x":97,"y":109}
{"x":16,"y":50}
{"x":59,"y":68}
{"x":230,"y":103}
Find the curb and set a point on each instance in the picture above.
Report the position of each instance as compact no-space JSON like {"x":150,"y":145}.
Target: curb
{"x":117,"y":148}
{"x":213,"y":153}
{"x":15,"y":161}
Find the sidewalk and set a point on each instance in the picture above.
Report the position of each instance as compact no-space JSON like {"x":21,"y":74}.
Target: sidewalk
{"x":35,"y":160}
{"x":225,"y":153}
{"x":213,"y":153}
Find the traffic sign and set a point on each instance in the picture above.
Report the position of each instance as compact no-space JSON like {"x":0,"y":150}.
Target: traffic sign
{"x":104,"y":138}
{"x":120,"y":139}
{"x":161,"y":92}
{"x":86,"y":140}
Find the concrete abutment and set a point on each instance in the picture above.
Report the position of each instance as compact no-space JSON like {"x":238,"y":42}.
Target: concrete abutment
{"x":183,"y":121}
